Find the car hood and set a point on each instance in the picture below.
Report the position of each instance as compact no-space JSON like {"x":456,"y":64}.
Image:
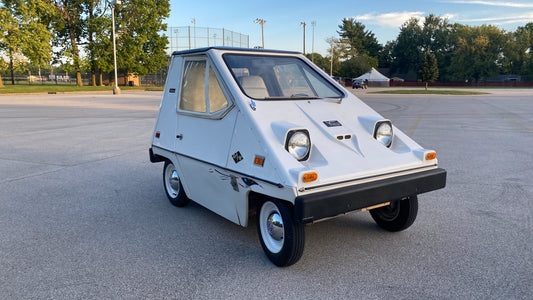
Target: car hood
{"x":343,"y":147}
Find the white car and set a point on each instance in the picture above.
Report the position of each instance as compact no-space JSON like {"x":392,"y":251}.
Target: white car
{"x":244,"y":131}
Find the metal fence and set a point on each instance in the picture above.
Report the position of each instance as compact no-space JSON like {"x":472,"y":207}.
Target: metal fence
{"x":63,"y":78}
{"x":179,"y":38}
{"x":189,"y":37}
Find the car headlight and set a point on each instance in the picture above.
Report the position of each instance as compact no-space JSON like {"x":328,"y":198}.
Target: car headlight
{"x":383,"y":132}
{"x":298,"y":144}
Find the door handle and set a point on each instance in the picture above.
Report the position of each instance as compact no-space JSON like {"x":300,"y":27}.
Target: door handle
{"x":179,"y":136}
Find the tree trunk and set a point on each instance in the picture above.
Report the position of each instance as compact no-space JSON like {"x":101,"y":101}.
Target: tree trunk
{"x":74,"y":45}
{"x":1,"y":82}
{"x":101,"y":78}
{"x":426,"y":85}
{"x":78,"y":78}
{"x":11,"y":67}
{"x":93,"y":77}
{"x":91,"y":55}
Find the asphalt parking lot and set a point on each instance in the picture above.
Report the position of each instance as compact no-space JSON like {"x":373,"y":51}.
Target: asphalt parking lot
{"x":83,"y":213}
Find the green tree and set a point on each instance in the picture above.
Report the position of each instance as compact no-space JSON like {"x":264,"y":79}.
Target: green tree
{"x":334,"y":52}
{"x":386,"y":57}
{"x":357,"y":65}
{"x":478,"y":52}
{"x":430,"y":69}
{"x":519,"y":52}
{"x":70,"y":28}
{"x":25,"y":34}
{"x":95,"y":25}
{"x":10,"y":40}
{"x":360,"y":41}
{"x":407,"y":49}
{"x":437,"y":37}
{"x":319,"y":60}
{"x":140,"y":45}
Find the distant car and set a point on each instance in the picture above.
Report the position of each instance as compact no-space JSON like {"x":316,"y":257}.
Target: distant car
{"x":248,"y":132}
{"x":359,"y":83}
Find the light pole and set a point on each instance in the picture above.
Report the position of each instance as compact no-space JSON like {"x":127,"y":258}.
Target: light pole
{"x":177,"y":32}
{"x":262,"y":23}
{"x":193,"y":21}
{"x":116,"y":90}
{"x":303,"y":25}
{"x":313,"y":42}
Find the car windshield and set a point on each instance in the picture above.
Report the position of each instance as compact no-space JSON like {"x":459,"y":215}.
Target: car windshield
{"x":279,"y":78}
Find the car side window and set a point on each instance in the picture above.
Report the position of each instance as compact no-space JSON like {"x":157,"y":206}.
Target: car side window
{"x":217,"y":99}
{"x":193,"y":87}
{"x":200,"y":89}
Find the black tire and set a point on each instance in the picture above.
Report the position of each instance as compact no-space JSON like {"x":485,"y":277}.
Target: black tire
{"x":283,"y":243}
{"x":173,"y":187}
{"x":397,"y":216}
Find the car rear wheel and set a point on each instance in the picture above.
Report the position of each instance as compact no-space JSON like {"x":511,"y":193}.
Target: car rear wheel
{"x":173,"y":187}
{"x":397,"y":216}
{"x":281,"y":237}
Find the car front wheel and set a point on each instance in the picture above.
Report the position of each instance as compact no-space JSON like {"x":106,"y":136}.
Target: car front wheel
{"x":397,"y":216}
{"x":173,"y":187}
{"x":281,"y":237}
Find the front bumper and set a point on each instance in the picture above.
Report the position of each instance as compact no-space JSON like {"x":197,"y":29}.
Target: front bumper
{"x":321,"y":205}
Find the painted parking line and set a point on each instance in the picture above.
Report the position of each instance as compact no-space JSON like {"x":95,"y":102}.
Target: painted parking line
{"x":517,"y":122}
{"x":410,"y":134}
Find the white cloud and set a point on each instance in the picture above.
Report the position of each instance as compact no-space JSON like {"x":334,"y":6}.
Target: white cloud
{"x":502,"y":19}
{"x":394,"y":19}
{"x":494,"y":3}
{"x":449,"y":16}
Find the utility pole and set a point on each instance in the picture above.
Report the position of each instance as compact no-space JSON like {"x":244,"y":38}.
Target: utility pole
{"x":116,"y":89}
{"x":262,"y":23}
{"x":193,"y":21}
{"x":303,"y":25}
{"x":313,"y":23}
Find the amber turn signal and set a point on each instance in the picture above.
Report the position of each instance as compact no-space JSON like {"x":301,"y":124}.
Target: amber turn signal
{"x":309,"y":177}
{"x":431,"y":155}
{"x":259,"y":160}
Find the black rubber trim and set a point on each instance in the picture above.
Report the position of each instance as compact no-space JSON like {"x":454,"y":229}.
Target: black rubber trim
{"x":321,"y":205}
{"x":155,"y":158}
{"x":279,"y":185}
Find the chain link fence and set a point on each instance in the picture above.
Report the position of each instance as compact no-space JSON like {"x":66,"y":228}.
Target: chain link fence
{"x":190,"y":37}
{"x":179,"y":38}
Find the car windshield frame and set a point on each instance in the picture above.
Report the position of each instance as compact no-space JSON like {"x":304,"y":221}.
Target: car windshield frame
{"x":267,"y":77}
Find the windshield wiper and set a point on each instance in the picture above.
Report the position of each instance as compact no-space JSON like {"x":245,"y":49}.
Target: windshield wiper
{"x":291,"y":97}
{"x":301,"y":97}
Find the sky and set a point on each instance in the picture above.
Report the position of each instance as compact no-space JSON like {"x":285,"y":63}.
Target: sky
{"x":283,"y":30}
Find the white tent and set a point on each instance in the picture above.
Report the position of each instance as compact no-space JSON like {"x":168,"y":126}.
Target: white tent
{"x":375,"y":78}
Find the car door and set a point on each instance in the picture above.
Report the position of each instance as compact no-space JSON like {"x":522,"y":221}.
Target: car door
{"x":204,"y":129}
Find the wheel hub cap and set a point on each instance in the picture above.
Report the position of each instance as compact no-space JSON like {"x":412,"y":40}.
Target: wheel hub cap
{"x":174,"y":180}
{"x":275,"y":226}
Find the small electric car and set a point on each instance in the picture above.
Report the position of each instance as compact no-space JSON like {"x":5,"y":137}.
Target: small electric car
{"x":252,"y":132}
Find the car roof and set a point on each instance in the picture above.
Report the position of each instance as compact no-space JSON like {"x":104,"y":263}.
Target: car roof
{"x":205,"y":49}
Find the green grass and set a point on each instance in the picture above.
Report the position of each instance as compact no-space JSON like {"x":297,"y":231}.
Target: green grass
{"x":429,"y":92}
{"x":37,"y":88}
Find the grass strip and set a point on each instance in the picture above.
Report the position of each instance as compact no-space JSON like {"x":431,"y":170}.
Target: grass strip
{"x":429,"y":92}
{"x":58,"y":89}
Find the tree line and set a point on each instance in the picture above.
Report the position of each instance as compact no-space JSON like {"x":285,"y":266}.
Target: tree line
{"x":77,"y":34}
{"x":460,"y":52}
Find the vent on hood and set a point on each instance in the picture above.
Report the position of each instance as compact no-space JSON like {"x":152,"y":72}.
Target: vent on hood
{"x":344,"y":137}
{"x":332,"y":123}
